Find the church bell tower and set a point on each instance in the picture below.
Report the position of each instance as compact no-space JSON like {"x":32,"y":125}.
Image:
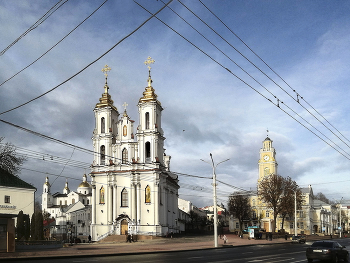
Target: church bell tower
{"x":105,"y":132}
{"x":150,"y":132}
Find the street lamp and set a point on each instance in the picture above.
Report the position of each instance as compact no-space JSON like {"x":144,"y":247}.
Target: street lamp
{"x":295,"y":213}
{"x":215,"y":197}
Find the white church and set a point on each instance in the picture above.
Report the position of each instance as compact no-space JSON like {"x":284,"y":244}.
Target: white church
{"x":133,"y":190}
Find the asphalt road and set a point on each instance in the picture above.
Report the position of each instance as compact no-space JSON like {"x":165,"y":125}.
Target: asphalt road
{"x":276,"y":253}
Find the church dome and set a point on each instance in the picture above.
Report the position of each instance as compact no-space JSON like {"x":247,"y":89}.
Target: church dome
{"x":84,"y":184}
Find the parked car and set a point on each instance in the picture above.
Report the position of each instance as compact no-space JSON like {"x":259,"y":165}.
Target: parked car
{"x":298,"y":239}
{"x":327,"y":250}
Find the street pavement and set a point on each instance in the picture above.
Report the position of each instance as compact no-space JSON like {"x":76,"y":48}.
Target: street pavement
{"x":146,"y":246}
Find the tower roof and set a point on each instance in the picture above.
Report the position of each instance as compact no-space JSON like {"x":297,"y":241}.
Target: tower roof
{"x":106,"y":100}
{"x":149,"y":93}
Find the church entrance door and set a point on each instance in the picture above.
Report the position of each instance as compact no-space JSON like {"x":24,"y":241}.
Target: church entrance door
{"x":124,"y":227}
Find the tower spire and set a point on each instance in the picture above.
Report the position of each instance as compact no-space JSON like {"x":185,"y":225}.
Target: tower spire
{"x":105,"y":71}
{"x":149,"y":94}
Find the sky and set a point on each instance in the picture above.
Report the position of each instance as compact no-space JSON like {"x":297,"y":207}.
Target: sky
{"x":256,"y":68}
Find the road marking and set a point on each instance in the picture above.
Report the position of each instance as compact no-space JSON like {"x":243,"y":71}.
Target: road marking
{"x":194,"y":257}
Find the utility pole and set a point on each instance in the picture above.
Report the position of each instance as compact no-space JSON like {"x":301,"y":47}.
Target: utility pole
{"x":215,"y":199}
{"x":295,"y":213}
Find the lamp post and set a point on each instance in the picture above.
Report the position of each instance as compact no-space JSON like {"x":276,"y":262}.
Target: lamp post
{"x":215,"y":197}
{"x":295,"y":213}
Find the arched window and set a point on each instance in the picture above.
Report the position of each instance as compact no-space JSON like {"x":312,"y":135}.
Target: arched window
{"x":147,"y":120}
{"x":103,"y":125}
{"x":73,"y":201}
{"x":124,"y":155}
{"x":103,"y":154}
{"x":87,"y":201}
{"x":148,"y":194}
{"x":124,"y":198}
{"x":148,"y":152}
{"x":83,"y":201}
{"x":65,"y":202}
{"x":60,"y":202}
{"x":102,"y":195}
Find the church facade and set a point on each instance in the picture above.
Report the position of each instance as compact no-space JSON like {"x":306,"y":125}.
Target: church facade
{"x":133,"y":190}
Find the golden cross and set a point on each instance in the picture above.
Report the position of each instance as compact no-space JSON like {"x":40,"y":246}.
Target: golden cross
{"x":125,"y":105}
{"x":148,"y":62}
{"x":106,"y":69}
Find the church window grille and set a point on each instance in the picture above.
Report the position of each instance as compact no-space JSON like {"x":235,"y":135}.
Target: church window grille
{"x":7,"y":199}
{"x":148,"y":152}
{"x":103,"y":125}
{"x":147,"y":120}
{"x":103,"y":154}
{"x":124,"y":198}
{"x":124,"y":156}
{"x":102,"y":195}
{"x":73,"y":201}
{"x":148,"y":194}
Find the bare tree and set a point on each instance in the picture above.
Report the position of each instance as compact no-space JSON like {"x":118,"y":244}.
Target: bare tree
{"x":277,"y":193}
{"x":291,"y":194}
{"x":239,"y":207}
{"x":9,"y":160}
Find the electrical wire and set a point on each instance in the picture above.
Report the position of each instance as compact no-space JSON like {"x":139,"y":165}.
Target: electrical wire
{"x":36,"y":24}
{"x":91,"y":63}
{"x":53,"y":45}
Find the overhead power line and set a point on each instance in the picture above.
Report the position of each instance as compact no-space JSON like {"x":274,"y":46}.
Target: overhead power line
{"x":53,"y":45}
{"x":36,"y":24}
{"x":76,"y":74}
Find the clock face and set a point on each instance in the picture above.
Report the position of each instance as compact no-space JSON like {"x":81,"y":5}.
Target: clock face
{"x":266,"y":157}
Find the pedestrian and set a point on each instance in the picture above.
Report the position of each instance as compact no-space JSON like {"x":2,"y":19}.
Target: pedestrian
{"x":89,"y":238}
{"x":225,"y":239}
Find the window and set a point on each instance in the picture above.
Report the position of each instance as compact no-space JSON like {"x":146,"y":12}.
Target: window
{"x":147,"y":120}
{"x":124,"y":198}
{"x":65,"y":202}
{"x":87,"y":201}
{"x":103,"y":125}
{"x":254,"y":214}
{"x":73,"y":201}
{"x":291,"y":226}
{"x":60,"y":202}
{"x":237,"y":225}
{"x":102,"y":195}
{"x":83,"y":201}
{"x":7,"y":199}
{"x":124,"y":155}
{"x":267,"y":214}
{"x":148,"y":194}
{"x":148,"y":152}
{"x":103,"y":156}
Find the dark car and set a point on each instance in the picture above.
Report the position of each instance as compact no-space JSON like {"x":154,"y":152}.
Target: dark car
{"x":326,"y":250}
{"x":298,"y":239}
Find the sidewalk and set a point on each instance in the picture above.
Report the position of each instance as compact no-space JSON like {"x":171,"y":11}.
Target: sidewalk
{"x":146,"y":246}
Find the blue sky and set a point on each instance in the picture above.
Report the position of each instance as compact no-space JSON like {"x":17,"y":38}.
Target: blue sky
{"x":206,"y":109}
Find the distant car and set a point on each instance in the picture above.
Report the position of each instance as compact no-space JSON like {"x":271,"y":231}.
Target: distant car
{"x":327,"y":250}
{"x":298,"y":239}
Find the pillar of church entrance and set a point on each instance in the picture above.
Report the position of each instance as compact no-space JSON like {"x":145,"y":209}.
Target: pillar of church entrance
{"x":110,"y":204}
{"x":156,"y":204}
{"x":115,"y":204}
{"x":166,"y":206}
{"x":133,"y":202}
{"x":93,"y":212}
{"x":138,"y":218}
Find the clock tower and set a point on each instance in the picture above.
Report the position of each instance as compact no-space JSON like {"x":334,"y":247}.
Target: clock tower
{"x":267,"y":161}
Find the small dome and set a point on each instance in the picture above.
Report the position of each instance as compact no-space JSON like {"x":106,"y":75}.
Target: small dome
{"x":84,"y":184}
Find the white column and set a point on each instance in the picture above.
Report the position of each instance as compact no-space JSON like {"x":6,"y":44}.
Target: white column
{"x":93,"y":207}
{"x":138,"y":217}
{"x":156,"y":204}
{"x":115,"y":202}
{"x":133,"y":202}
{"x":110,"y":204}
